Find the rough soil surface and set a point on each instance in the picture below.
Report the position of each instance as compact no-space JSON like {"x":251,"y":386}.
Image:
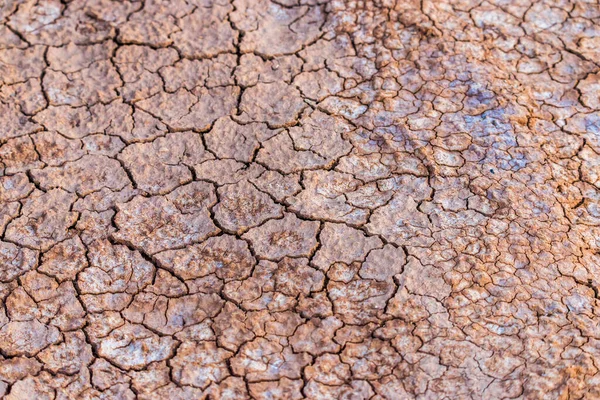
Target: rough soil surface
{"x":286,"y":199}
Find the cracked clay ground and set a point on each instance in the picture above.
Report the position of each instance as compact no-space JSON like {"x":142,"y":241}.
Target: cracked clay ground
{"x":286,"y":199}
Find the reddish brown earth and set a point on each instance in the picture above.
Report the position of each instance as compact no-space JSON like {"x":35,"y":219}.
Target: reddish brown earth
{"x":299,"y":199}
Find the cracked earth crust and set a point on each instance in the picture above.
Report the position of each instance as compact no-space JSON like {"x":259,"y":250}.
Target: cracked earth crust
{"x":286,"y":199}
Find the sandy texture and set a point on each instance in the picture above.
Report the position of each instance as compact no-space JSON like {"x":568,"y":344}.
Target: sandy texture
{"x":287,"y":199}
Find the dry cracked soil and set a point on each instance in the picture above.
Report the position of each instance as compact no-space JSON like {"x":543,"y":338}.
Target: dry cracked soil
{"x":286,"y":199}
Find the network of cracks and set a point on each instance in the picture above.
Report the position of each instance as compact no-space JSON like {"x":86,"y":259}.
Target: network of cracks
{"x":286,"y":199}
